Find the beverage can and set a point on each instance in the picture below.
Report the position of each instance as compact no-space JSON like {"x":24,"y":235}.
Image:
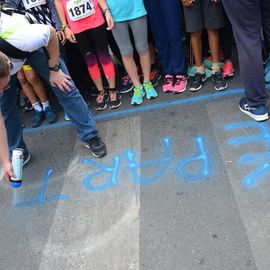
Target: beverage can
{"x":17,"y":167}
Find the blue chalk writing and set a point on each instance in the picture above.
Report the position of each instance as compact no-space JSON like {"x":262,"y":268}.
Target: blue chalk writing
{"x":113,"y":171}
{"x":42,"y":194}
{"x":163,"y":162}
{"x":262,"y":136}
{"x":200,"y":157}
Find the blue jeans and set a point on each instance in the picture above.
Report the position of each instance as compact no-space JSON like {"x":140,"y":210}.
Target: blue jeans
{"x":72,"y":102}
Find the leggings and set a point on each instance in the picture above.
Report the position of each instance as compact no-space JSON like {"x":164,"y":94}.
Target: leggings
{"x":139,"y":31}
{"x":93,"y":45}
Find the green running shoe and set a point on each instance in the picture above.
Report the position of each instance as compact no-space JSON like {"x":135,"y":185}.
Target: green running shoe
{"x":149,"y":90}
{"x":138,"y":95}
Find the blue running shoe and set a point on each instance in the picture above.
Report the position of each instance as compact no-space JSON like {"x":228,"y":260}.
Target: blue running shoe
{"x":257,"y":113}
{"x":151,"y":93}
{"x":138,"y":95}
{"x":38,"y":118}
{"x":51,"y":115}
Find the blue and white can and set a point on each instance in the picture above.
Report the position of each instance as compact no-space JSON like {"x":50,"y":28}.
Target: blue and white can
{"x":17,"y":167}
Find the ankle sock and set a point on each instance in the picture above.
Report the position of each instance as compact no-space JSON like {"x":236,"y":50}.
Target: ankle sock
{"x":37,"y":106}
{"x":201,"y":69}
{"x":45,"y":104}
{"x":215,"y":68}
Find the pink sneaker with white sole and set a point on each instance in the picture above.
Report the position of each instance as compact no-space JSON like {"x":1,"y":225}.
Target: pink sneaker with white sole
{"x":168,"y":84}
{"x":180,"y":84}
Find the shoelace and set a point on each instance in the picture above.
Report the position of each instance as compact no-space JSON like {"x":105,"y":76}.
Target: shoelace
{"x":168,"y":80}
{"x":179,"y":79}
{"x":125,"y":80}
{"x":113,"y":95}
{"x":137,"y":91}
{"x":100,"y":96}
{"x":147,"y":86}
{"x":94,"y":141}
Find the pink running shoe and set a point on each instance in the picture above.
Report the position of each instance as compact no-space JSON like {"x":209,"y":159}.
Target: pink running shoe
{"x":228,"y":70}
{"x":168,"y":84}
{"x":180,"y":84}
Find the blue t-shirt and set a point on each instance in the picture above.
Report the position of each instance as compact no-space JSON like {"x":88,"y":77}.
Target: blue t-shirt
{"x":124,"y":10}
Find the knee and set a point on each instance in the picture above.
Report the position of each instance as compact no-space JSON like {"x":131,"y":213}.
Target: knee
{"x":196,"y":35}
{"x":22,"y":79}
{"x":32,"y":77}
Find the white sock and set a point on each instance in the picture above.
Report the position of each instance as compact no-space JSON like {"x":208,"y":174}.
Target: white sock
{"x":45,"y":104}
{"x":37,"y":107}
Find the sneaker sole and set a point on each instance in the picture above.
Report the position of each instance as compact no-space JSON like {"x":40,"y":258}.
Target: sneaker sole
{"x":258,"y":118}
{"x":181,"y":91}
{"x":222,"y":88}
{"x":126,"y":91}
{"x":27,"y":160}
{"x":195,"y":89}
{"x":115,"y":106}
{"x":156,"y":83}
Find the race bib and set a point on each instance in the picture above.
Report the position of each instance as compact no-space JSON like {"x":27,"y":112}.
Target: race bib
{"x":79,"y":9}
{"x":33,"y":3}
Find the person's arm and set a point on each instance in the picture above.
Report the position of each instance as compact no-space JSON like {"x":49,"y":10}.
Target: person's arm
{"x":57,"y":78}
{"x":56,"y":21}
{"x":61,"y":13}
{"x":4,"y":154}
{"x":107,"y":13}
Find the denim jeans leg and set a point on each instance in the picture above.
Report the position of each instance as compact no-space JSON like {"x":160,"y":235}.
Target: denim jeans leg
{"x":72,"y":101}
{"x":11,"y":116}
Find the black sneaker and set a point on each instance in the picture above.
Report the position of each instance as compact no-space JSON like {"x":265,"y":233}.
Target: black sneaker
{"x":126,"y":85}
{"x":27,"y":106}
{"x":155,"y":76}
{"x":97,"y":147}
{"x":197,"y":82}
{"x":101,"y":101}
{"x":114,"y":99}
{"x":219,"y":82}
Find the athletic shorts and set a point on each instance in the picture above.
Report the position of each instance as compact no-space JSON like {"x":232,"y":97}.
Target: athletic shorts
{"x":203,"y":14}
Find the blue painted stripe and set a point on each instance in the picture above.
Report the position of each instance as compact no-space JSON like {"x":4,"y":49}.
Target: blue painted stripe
{"x":136,"y":110}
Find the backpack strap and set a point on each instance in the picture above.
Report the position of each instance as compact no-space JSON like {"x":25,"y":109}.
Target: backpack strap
{"x":11,"y":51}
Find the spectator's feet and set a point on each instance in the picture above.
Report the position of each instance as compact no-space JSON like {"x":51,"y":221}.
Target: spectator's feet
{"x":38,"y":118}
{"x":66,"y":116}
{"x":155,"y":76}
{"x":114,"y":99}
{"x":26,"y":158}
{"x":151,"y":93}
{"x":97,"y":147}
{"x":51,"y":115}
{"x":219,"y":82}
{"x":180,"y":84}
{"x":257,"y":113}
{"x":101,"y":101}
{"x":126,"y":85}
{"x":167,"y":84}
{"x":27,"y":106}
{"x":197,"y":82}
{"x":138,"y":95}
{"x":228,"y":69}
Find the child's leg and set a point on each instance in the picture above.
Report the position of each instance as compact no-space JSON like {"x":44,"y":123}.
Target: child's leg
{"x":85,"y":47}
{"x":196,"y":44}
{"x":139,"y":31}
{"x":27,"y":87}
{"x":36,"y":83}
{"x":100,"y":41}
{"x":122,"y":38}
{"x":213,"y":37}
